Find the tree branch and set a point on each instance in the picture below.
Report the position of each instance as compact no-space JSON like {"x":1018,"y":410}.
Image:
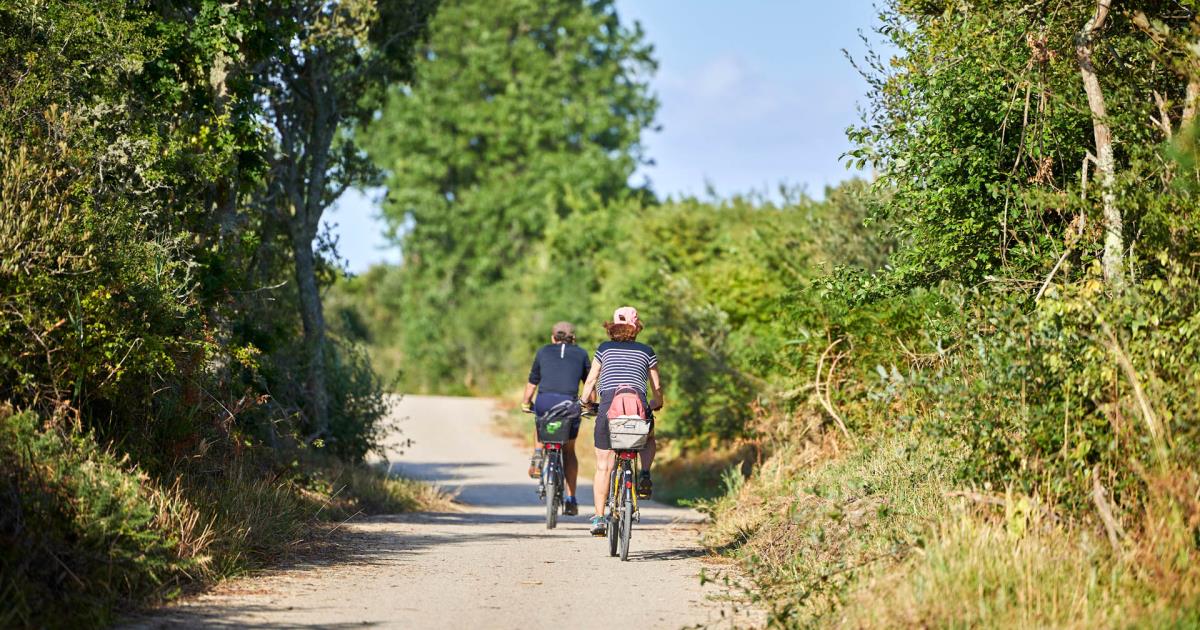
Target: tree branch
{"x":823,"y":393}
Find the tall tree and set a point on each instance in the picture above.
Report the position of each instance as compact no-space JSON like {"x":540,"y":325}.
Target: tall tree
{"x":329,"y":73}
{"x":516,"y":103}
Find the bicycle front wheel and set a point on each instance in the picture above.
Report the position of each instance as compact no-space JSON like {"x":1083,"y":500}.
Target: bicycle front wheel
{"x":626,"y":521}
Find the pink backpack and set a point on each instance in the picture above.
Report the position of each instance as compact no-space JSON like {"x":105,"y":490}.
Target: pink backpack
{"x":626,"y":402}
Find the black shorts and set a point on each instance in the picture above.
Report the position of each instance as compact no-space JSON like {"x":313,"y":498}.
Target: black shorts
{"x":603,"y":440}
{"x":547,"y":400}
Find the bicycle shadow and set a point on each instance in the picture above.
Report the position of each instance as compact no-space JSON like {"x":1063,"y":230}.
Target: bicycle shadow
{"x":666,"y":555}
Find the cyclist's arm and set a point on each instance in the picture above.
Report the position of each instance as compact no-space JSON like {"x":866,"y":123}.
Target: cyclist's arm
{"x":589,"y":385}
{"x":656,"y":386}
{"x":535,"y":377}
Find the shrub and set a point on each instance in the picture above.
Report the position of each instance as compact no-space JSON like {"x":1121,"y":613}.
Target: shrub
{"x":975,"y":573}
{"x":1082,"y":384}
{"x":358,"y":406}
{"x":82,"y":529}
{"x":85,"y":533}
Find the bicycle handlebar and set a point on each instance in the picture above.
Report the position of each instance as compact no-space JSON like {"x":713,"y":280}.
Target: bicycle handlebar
{"x":585,"y":409}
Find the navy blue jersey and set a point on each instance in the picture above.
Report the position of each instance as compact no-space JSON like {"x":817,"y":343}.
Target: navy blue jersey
{"x":559,"y":368}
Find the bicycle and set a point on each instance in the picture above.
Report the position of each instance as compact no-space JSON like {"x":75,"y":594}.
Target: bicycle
{"x":550,"y":490}
{"x":629,"y":436}
{"x":553,"y":429}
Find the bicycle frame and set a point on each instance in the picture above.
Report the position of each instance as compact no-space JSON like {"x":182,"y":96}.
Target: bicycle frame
{"x":627,"y":465}
{"x":553,"y":464}
{"x":621,"y":517}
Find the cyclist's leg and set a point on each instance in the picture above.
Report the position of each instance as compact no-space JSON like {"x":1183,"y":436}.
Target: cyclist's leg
{"x":570,"y":459}
{"x":535,"y":460}
{"x":644,"y":485}
{"x":604,"y":466}
{"x":570,"y":466}
{"x":605,"y":457}
{"x":647,"y":453}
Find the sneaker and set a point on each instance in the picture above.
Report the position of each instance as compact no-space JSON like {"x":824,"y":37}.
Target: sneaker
{"x":570,"y":507}
{"x":599,"y":527}
{"x":535,"y":464}
{"x":644,"y":486}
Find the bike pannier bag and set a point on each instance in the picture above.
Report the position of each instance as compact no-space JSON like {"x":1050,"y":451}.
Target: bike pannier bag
{"x":628,"y":433}
{"x":551,"y":429}
{"x":555,"y":424}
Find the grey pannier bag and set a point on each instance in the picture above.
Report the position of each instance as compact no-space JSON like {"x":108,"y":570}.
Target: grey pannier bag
{"x":628,"y":433}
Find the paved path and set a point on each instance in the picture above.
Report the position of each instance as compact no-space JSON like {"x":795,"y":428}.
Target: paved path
{"x":492,"y":565}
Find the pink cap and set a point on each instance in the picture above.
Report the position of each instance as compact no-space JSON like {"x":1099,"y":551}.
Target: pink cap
{"x":626,"y":315}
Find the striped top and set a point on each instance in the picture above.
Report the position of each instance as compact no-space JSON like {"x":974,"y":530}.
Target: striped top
{"x":625,"y":363}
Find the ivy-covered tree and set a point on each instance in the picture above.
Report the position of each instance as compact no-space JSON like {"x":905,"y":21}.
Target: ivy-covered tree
{"x":331,"y":64}
{"x":1014,"y":136}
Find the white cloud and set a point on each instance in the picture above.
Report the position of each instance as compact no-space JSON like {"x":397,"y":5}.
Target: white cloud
{"x":723,"y":90}
{"x":721,"y":78}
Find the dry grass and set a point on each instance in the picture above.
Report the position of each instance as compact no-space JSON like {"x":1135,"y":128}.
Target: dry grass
{"x":984,"y":570}
{"x":869,"y":538}
{"x":693,"y":476}
{"x":977,"y":573}
{"x":811,"y":523}
{"x":349,"y":489}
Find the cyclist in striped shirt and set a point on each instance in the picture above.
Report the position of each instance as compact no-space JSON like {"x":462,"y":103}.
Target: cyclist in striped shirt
{"x":621,"y":361}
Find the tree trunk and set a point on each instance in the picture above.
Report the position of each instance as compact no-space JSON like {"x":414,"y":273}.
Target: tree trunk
{"x":1114,"y":240}
{"x":314,"y":330}
{"x":1189,"y":102}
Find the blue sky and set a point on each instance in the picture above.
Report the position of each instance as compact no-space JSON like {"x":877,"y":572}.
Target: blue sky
{"x":753,"y":93}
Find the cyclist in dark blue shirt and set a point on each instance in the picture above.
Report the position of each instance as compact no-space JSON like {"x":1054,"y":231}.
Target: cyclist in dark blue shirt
{"x":558,"y":369}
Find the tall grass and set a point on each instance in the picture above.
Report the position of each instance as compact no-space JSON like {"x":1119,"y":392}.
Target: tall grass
{"x":878,"y":537}
{"x":977,"y":572}
{"x":810,"y":522}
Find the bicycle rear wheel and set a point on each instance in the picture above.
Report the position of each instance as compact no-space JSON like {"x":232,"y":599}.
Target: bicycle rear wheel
{"x":554,"y":480}
{"x":626,"y":521}
{"x":551,"y":502}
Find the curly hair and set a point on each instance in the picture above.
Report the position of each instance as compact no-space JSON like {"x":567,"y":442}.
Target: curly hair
{"x":621,"y":332}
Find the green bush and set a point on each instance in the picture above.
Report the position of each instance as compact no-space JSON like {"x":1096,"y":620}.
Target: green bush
{"x":80,"y":529}
{"x":148,"y":310}
{"x":1082,"y":383}
{"x":358,"y":406}
{"x":86,"y":534}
